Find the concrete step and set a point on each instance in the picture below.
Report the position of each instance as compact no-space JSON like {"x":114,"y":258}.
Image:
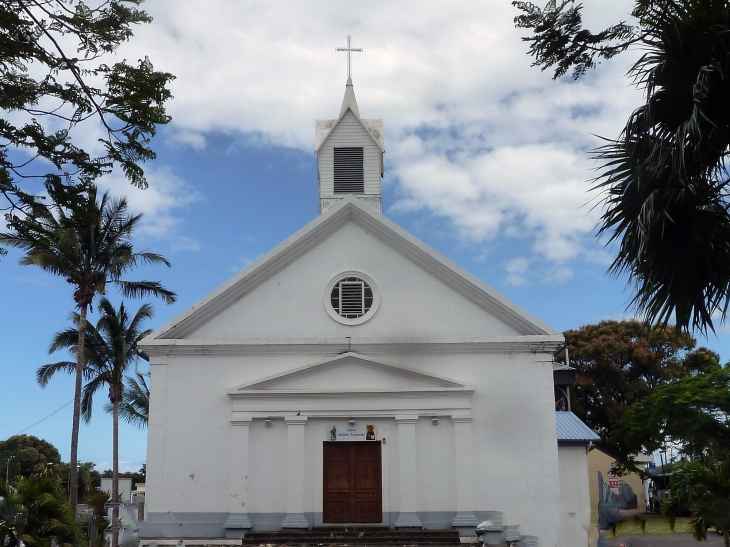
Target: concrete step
{"x":350,"y":535}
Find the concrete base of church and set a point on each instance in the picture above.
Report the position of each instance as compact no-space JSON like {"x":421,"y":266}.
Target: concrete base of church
{"x":220,"y":525}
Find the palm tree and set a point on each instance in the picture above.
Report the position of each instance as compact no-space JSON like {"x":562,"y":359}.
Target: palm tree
{"x":87,"y":241}
{"x":665,"y":179}
{"x":111,"y":348}
{"x":706,"y":491}
{"x":135,"y":406}
{"x":36,"y":513}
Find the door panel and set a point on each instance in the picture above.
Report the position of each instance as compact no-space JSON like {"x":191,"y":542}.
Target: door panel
{"x":352,"y":482}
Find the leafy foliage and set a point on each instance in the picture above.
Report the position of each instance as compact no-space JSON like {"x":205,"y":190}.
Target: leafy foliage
{"x":561,"y":41}
{"x":28,"y":455}
{"x":35,"y":512}
{"x":88,"y":242}
{"x":664,"y":180}
{"x":57,"y":80}
{"x":84,"y":239}
{"x":692,"y":413}
{"x":135,"y":406}
{"x":97,"y":503}
{"x":706,"y":491}
{"x":110,"y":351}
{"x":620,"y":363}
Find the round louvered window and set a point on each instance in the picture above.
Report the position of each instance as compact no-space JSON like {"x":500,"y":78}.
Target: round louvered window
{"x":351,"y":298}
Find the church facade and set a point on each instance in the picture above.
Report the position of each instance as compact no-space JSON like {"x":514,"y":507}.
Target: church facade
{"x":355,"y":375}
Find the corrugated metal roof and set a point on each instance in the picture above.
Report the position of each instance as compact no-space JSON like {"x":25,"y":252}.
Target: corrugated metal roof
{"x":572,"y":429}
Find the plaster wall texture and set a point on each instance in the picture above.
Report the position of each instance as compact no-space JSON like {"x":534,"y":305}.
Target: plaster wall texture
{"x":413,"y":303}
{"x":508,"y":393}
{"x":575,"y":509}
{"x":515,"y":468}
{"x":349,"y":133}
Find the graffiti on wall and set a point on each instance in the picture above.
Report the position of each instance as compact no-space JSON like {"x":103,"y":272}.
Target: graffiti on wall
{"x":614,"y":497}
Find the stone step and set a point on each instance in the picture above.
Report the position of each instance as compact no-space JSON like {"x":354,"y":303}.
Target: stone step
{"x":387,"y":540}
{"x":350,"y":535}
{"x":359,"y":544}
{"x":357,"y":533}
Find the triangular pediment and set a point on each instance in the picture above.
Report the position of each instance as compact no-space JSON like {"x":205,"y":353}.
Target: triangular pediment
{"x":260,"y":301}
{"x":347,"y":373}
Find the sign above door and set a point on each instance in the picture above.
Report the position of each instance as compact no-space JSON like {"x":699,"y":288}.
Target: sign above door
{"x":359,"y":431}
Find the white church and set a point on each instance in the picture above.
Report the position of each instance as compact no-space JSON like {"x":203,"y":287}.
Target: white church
{"x":354,"y":375}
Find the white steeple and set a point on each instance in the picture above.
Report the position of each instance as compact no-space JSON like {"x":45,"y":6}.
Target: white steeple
{"x":348,"y":101}
{"x":349,"y":155}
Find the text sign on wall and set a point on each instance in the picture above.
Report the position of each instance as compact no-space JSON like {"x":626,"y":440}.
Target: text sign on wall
{"x":343,"y":431}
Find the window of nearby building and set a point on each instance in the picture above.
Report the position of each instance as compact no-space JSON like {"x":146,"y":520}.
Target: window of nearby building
{"x":348,"y":167}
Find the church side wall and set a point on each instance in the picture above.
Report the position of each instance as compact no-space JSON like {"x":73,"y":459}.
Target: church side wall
{"x":515,"y":463}
{"x":349,"y":132}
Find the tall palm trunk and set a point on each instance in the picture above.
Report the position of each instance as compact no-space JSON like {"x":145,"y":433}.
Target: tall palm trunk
{"x":726,"y":535}
{"x":73,"y":478}
{"x":115,"y":466}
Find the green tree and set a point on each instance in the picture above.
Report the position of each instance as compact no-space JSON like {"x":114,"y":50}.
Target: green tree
{"x":621,"y":362}
{"x":88,"y":478}
{"x":664,"y":179}
{"x":97,"y":502}
{"x":24,"y":455}
{"x":135,"y":406}
{"x":58,"y":78}
{"x":87,"y":241}
{"x":36,"y":512}
{"x":692,"y":413}
{"x":705,"y":489}
{"x":111,"y":348}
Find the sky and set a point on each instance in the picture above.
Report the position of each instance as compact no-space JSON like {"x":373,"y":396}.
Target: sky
{"x":487,"y":160}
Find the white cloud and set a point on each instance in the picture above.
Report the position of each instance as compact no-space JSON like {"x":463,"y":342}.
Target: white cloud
{"x":516,"y":270}
{"x":473,"y":133}
{"x":161,"y":203}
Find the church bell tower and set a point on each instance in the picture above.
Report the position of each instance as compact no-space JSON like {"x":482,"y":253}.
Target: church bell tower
{"x":349,"y":153}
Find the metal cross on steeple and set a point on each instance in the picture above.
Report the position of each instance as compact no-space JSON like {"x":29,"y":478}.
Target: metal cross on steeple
{"x":348,"y":49}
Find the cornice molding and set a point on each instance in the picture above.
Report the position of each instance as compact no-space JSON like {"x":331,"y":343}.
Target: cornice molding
{"x":350,"y":393}
{"x":536,"y":344}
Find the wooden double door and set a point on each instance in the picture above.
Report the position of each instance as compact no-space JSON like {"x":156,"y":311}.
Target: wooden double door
{"x":353,"y":483}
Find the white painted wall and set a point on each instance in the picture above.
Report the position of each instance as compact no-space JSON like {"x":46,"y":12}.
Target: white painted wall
{"x":515,"y":453}
{"x":292,"y":303}
{"x":575,"y":497}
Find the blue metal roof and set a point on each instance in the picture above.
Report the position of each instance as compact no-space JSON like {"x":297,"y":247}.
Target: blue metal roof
{"x":571,"y":429}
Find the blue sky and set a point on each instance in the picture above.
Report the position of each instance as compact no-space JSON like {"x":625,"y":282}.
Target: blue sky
{"x":486,"y":160}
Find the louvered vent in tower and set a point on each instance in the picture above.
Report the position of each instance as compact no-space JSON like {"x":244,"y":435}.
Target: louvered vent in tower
{"x":349,"y":177}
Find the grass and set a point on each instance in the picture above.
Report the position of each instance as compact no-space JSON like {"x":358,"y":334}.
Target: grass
{"x":655,"y":524}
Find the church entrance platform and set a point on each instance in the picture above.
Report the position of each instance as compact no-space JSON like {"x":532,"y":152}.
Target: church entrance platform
{"x":354,"y":535}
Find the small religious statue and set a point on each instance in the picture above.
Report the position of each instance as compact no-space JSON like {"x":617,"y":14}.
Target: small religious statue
{"x":369,"y":432}
{"x":333,"y":434}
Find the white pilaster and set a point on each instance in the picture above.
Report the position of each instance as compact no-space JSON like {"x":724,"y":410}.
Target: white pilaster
{"x":295,"y":473}
{"x":238,"y":521}
{"x":408,"y":516}
{"x":464,"y":473}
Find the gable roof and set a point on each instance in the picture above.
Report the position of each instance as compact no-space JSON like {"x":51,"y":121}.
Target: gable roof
{"x":323,"y":128}
{"x":351,"y":209}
